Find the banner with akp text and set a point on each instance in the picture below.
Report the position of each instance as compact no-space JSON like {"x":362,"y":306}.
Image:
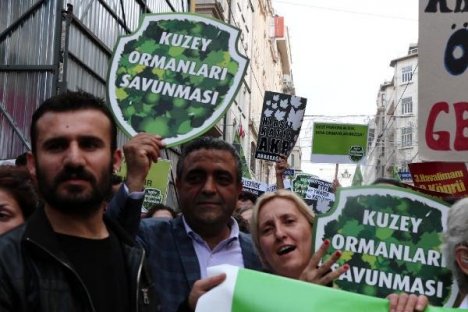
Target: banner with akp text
{"x":391,"y":237}
{"x":280,"y":125}
{"x":247,"y":291}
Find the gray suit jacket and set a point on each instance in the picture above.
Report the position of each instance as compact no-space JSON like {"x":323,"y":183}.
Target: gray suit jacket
{"x":173,"y":261}
{"x":171,"y":257}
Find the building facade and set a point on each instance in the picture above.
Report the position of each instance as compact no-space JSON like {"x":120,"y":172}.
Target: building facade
{"x":265,"y":41}
{"x":393,"y":143}
{"x":271,"y":66}
{"x":50,"y":46}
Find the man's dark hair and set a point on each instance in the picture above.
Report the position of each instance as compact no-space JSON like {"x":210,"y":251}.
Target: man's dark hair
{"x":157,"y":207}
{"x":448,"y":198}
{"x":209,"y":143}
{"x":116,"y":179}
{"x":21,"y":160}
{"x":68,"y":102}
{"x":388,"y":181}
{"x":247,"y":196}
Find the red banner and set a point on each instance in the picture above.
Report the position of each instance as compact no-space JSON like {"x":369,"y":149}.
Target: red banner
{"x":444,"y":177}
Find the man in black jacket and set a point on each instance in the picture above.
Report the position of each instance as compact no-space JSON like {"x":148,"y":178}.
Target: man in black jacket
{"x":68,"y":257}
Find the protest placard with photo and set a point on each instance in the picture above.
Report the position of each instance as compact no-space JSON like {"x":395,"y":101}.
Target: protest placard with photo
{"x":280,"y":125}
{"x":318,"y":194}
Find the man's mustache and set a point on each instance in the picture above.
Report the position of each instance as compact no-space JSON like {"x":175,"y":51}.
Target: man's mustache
{"x":74,"y":173}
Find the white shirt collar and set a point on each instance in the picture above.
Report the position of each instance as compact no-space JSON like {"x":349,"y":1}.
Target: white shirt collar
{"x":232,"y":224}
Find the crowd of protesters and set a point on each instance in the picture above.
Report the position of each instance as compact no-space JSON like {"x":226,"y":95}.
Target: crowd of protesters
{"x":70,"y":242}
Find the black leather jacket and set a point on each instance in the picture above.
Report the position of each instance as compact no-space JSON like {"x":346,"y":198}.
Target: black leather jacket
{"x":36,"y":276}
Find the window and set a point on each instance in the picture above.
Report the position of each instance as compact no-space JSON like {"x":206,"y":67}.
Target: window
{"x":293,"y":161}
{"x":407,"y":105}
{"x":404,"y":165}
{"x":267,"y":170}
{"x":252,"y":157}
{"x":382,"y":98}
{"x":241,"y":98}
{"x":370,"y":138}
{"x":406,"y":74}
{"x":406,"y":137}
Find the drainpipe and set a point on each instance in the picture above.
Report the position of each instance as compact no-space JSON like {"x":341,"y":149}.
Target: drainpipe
{"x":227,"y":112}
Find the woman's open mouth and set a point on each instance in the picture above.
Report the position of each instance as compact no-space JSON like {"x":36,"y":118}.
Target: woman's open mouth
{"x":285,"y":249}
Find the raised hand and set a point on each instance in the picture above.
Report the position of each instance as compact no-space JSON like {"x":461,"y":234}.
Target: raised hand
{"x":280,"y":166}
{"x":407,"y":303}
{"x":322,"y":274}
{"x":140,"y":152}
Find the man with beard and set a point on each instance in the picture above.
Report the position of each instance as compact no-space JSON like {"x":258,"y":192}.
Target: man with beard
{"x":68,"y":256}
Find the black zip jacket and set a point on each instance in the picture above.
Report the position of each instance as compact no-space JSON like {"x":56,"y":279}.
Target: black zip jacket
{"x":36,"y":276}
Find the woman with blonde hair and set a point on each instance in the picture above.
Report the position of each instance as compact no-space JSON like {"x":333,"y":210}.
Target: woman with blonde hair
{"x":281,"y":228}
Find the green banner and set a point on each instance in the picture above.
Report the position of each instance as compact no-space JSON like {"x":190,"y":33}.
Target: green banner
{"x":391,"y":237}
{"x":339,"y":143}
{"x":357,"y":177}
{"x":156,"y":183}
{"x":175,"y":76}
{"x":251,"y":291}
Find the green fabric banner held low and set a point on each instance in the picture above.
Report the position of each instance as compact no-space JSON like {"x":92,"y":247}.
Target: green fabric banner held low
{"x":251,"y":291}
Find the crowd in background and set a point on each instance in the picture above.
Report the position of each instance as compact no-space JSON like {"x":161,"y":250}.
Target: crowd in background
{"x":74,"y":238}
